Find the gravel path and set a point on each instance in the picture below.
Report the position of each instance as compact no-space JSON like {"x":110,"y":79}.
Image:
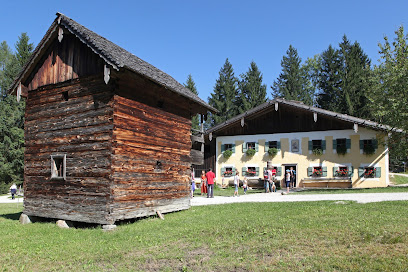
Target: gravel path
{"x":277,"y":197}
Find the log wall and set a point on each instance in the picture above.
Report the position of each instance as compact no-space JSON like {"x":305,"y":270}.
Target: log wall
{"x":73,"y":118}
{"x":151,"y":160}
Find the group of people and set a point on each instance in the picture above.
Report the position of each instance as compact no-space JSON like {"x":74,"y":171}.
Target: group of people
{"x":207,"y":183}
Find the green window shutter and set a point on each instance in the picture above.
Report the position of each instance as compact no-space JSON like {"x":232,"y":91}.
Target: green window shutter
{"x":310,"y":145}
{"x":279,"y":171}
{"x":257,"y":171}
{"x":233,"y":148}
{"x":334,"y":144}
{"x":222,"y":170}
{"x":361,"y":171}
{"x":264,"y":169}
{"x":244,"y":170}
{"x":351,"y":171}
{"x":334,"y":171}
{"x":309,"y":171}
{"x":348,"y":143}
{"x":222,"y":148}
{"x":375,"y":144}
{"x":324,"y":174}
{"x":266,"y":146}
{"x":234,"y":171}
{"x":378,"y":172}
{"x":256,"y":147}
{"x":279,"y":145}
{"x":244,"y":147}
{"x":361,"y":144}
{"x":323,"y":144}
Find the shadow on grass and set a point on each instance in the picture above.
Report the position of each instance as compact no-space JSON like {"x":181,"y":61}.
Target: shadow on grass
{"x":11,"y":216}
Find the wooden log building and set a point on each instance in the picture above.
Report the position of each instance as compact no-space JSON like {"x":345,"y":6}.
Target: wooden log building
{"x":107,"y":135}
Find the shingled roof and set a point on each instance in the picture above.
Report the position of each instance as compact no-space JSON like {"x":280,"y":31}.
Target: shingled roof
{"x":113,"y":55}
{"x":300,"y":105}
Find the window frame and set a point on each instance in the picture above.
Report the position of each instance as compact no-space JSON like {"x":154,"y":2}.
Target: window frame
{"x":61,"y":160}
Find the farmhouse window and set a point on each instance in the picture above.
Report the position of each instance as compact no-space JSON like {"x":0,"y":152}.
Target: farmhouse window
{"x":369,"y":172}
{"x":228,"y":171}
{"x":225,"y":147}
{"x":250,"y":171}
{"x":341,"y":145}
{"x":343,"y":171}
{"x":272,"y":144}
{"x":317,"y":171}
{"x":277,"y":168}
{"x":250,"y":145}
{"x":368,"y":146}
{"x":317,"y":144}
{"x":58,"y":166}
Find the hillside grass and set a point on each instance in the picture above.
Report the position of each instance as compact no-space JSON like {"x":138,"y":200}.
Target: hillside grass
{"x":303,"y":236}
{"x":398,"y":180}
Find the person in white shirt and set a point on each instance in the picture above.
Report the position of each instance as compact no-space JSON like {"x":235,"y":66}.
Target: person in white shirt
{"x":13,"y":190}
{"x":236,"y":183}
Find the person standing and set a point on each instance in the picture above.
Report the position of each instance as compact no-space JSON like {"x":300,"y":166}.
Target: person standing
{"x":192,"y":184}
{"x":203,"y":183}
{"x":287,"y":179}
{"x":236,"y":183}
{"x":266,"y":180}
{"x":13,"y":190}
{"x":292,"y":177}
{"x":245,"y":185}
{"x":210,"y":183}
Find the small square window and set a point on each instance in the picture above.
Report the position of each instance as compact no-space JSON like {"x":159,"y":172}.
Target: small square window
{"x":369,"y":172}
{"x":317,"y":171}
{"x":251,"y":145}
{"x":317,"y":144}
{"x":58,"y":166}
{"x":228,"y":147}
{"x":273,"y":144}
{"x":251,"y":171}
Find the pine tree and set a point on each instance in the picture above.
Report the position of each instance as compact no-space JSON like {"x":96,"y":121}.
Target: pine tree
{"x":329,"y":80}
{"x":292,"y":81}
{"x":252,"y":92}
{"x":224,"y":96}
{"x":190,"y":84}
{"x":355,"y":76}
{"x":6,"y":56}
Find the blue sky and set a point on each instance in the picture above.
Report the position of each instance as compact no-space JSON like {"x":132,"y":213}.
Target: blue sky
{"x":195,"y":37}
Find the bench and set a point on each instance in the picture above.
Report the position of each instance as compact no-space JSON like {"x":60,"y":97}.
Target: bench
{"x":325,"y":181}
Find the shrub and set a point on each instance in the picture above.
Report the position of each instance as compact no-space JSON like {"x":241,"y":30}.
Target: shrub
{"x":317,"y":152}
{"x":368,"y":150}
{"x":272,"y":151}
{"x":250,"y":152}
{"x":341,"y":150}
{"x":227,"y":153}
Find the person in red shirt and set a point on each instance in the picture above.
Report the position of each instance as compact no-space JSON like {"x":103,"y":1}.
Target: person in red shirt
{"x":210,"y":183}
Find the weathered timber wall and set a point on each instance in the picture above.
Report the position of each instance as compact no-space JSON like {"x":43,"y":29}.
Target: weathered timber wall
{"x":73,"y":118}
{"x":143,"y":137}
{"x":62,"y":61}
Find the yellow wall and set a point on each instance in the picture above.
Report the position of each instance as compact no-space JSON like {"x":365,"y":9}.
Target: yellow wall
{"x":304,"y":159}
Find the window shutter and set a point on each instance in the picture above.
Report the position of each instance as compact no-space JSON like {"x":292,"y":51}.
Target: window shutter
{"x":335,"y":169}
{"x":279,"y":171}
{"x":324,"y":174}
{"x":257,"y":171}
{"x":244,"y":147}
{"x":222,"y":170}
{"x":361,"y":171}
{"x":256,"y":147}
{"x":310,"y":145}
{"x":244,"y":170}
{"x":309,"y":171}
{"x":233,"y":148}
{"x":222,"y":148}
{"x":361,"y":144}
{"x":234,"y":171}
{"x":266,"y":146}
{"x":378,"y":172}
{"x":348,"y":143}
{"x":351,"y":171}
{"x":278,"y":145}
{"x":375,"y":144}
{"x":323,"y":144}
{"x":264,"y":169}
{"x":334,"y":144}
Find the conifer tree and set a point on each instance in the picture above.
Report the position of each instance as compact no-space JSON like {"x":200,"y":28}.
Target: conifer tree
{"x":224,"y":96}
{"x":292,"y":81}
{"x":252,"y":92}
{"x":190,"y":84}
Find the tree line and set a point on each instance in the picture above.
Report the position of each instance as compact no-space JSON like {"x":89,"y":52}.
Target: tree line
{"x":340,"y":79}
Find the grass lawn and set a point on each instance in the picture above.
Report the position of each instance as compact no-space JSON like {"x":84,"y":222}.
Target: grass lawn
{"x":354,"y":190}
{"x":396,"y":179}
{"x":304,"y":236}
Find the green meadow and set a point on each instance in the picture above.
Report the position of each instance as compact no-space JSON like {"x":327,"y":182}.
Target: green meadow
{"x":305,"y":236}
